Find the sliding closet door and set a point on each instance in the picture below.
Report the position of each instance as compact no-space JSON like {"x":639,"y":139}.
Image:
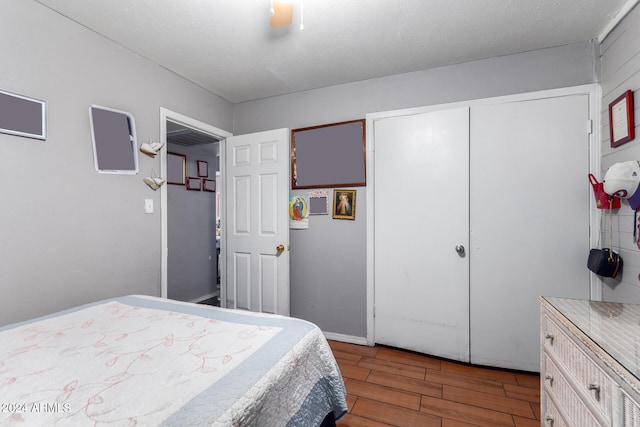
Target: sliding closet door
{"x":421,"y":216}
{"x":529,"y":221}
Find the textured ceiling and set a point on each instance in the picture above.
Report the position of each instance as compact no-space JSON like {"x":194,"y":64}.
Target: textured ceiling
{"x":227,"y":46}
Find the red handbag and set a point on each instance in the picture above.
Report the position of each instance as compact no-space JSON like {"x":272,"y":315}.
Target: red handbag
{"x":602,"y":198}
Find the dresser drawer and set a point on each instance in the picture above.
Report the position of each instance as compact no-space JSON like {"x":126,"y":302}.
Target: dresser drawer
{"x":631,"y":411}
{"x":551,"y":416}
{"x":569,"y":402}
{"x":594,"y":384}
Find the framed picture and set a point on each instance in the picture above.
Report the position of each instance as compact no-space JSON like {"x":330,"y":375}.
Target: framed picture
{"x":23,"y":116}
{"x":318,"y":202}
{"x":208,"y":185}
{"x":621,"y":123}
{"x":176,"y":168}
{"x":203,"y":168}
{"x":194,"y":183}
{"x":344,"y":204}
{"x":332,"y":155}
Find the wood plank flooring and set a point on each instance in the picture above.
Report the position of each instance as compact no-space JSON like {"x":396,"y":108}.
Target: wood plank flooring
{"x":390,"y":387}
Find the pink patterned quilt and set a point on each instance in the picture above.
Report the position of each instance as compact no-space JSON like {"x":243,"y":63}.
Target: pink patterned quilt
{"x":150,"y":361}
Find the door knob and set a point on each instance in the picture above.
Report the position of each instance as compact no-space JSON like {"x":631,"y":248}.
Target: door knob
{"x":280,"y":248}
{"x":460,"y":250}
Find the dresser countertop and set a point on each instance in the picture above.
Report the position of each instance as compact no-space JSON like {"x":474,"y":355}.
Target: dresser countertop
{"x":613,"y":329}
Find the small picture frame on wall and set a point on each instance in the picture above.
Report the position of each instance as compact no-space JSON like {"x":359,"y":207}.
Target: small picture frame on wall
{"x":194,"y":184}
{"x":344,"y":204}
{"x":318,"y":202}
{"x":209,"y":185}
{"x":621,"y":122}
{"x":176,"y":168}
{"x":203,"y":169}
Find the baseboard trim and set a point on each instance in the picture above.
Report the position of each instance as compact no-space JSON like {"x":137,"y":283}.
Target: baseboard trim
{"x":345,"y":338}
{"x":205,"y":297}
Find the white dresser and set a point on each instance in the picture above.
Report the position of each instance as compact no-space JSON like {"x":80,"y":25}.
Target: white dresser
{"x":590,"y":363}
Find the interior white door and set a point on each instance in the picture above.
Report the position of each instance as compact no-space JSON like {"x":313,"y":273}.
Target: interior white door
{"x":257,"y":177}
{"x":421,"y":173}
{"x":529,"y":221}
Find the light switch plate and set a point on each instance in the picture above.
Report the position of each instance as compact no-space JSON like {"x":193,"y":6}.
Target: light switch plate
{"x":148,"y":206}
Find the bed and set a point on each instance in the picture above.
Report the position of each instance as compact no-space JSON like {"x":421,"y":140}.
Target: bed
{"x":139,"y":360}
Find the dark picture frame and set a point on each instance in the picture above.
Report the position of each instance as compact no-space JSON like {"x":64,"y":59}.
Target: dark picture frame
{"x":209,"y":185}
{"x":194,"y":184}
{"x":621,"y":119}
{"x":331,"y":155}
{"x":344,"y":204}
{"x":176,"y":168}
{"x":203,"y":168}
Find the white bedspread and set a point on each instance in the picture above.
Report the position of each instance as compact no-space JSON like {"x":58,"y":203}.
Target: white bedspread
{"x":149,"y":361}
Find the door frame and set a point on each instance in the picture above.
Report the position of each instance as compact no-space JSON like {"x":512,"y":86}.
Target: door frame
{"x":593,"y":91}
{"x":166,"y":114}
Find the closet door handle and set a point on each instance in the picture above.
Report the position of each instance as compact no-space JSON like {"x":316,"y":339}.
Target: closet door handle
{"x":460,"y":250}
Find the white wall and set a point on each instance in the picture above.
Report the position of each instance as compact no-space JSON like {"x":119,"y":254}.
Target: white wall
{"x":620,"y":62}
{"x":328,"y":261}
{"x":70,"y":235}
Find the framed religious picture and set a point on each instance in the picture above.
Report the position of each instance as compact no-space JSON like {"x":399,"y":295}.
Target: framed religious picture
{"x":344,"y":204}
{"x":621,"y":123}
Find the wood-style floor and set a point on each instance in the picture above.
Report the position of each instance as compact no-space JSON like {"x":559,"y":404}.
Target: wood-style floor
{"x":390,"y":387}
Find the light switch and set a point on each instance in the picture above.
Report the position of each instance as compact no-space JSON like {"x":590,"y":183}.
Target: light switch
{"x":148,"y":206}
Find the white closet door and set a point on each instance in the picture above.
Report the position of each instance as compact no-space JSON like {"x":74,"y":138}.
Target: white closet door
{"x":529,"y":221}
{"x":421,"y":215}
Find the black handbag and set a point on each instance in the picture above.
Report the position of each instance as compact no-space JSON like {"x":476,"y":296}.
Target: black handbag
{"x":604,"y":262}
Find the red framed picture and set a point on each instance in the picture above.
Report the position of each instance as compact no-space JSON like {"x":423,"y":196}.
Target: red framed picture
{"x":203,"y":168}
{"x":194,"y":183}
{"x":209,"y":185}
{"x":621,"y":123}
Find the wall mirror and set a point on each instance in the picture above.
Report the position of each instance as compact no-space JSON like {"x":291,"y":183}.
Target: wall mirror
{"x":23,"y":116}
{"x":113,"y":134}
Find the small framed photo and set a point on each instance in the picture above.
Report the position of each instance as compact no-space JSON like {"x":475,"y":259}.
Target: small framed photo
{"x":344,"y":204}
{"x":208,"y":185}
{"x":621,"y":123}
{"x":203,"y":168}
{"x":194,"y":183}
{"x":318,"y":202}
{"x":176,"y":168}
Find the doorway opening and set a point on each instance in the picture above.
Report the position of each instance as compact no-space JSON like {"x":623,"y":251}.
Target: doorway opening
{"x":192,"y":224}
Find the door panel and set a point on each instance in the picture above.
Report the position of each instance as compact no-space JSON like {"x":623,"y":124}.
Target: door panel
{"x":421,"y":215}
{"x":258,"y":221}
{"x":529,"y":221}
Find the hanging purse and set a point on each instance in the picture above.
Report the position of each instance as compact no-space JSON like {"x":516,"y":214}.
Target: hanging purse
{"x":605,"y":262}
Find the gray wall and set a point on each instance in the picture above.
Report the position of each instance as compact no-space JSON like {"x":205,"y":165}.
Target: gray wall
{"x":191,"y":223}
{"x":328,"y":261}
{"x":621,"y":72}
{"x":70,"y":235}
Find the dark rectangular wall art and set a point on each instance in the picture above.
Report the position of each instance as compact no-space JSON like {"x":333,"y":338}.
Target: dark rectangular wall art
{"x":113,"y":133}
{"x":23,"y":116}
{"x":330,"y":155}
